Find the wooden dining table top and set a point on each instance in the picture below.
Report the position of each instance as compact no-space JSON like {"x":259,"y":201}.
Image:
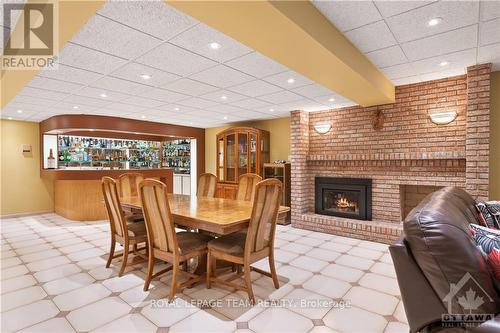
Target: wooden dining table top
{"x":217,"y":215}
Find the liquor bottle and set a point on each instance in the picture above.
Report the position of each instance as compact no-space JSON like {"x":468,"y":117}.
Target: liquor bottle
{"x":51,"y":161}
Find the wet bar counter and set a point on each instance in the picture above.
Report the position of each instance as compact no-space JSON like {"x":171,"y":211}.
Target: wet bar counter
{"x":78,"y":194}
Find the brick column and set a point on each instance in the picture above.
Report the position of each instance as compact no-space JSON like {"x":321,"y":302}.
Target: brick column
{"x":299,"y":148}
{"x":478,"y":130}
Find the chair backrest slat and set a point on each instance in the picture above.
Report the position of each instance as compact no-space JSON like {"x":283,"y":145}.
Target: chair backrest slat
{"x":113,"y":207}
{"x":129,"y":184}
{"x":265,"y":209}
{"x":157,"y":216}
{"x":207,"y":184}
{"x":246,"y":186}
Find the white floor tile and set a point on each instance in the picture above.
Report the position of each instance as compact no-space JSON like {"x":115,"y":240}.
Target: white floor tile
{"x":354,"y":262}
{"x":65,"y":284}
{"x":57,"y":272}
{"x":101,"y":312}
{"x":327,"y":286}
{"x":76,"y":247}
{"x":309,"y":241}
{"x":279,"y":320}
{"x":322,"y":254}
{"x":82,"y":296}
{"x":295,"y":275}
{"x":337,"y":247}
{"x":365,"y":253}
{"x":28,"y":315}
{"x":308,"y":304}
{"x":54,"y":325}
{"x":310,"y":264}
{"x":384,"y":269}
{"x":354,"y":320}
{"x":164,"y":314}
{"x":202,"y":321}
{"x":381,"y":283}
{"x":47,"y":263}
{"x":17,"y":283}
{"x":284,"y":256}
{"x":397,"y":327}
{"x":127,"y":281}
{"x":297,"y":248}
{"x":13,"y":271}
{"x":22,"y":297}
{"x":129,"y":324}
{"x":81,"y":255}
{"x":37,"y":256}
{"x":343,"y":273}
{"x":372,"y":300}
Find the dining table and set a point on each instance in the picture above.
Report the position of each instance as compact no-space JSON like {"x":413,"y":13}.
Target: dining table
{"x":215,"y":215}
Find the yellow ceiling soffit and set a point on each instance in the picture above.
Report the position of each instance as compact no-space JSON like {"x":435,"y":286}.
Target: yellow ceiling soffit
{"x":297,"y":35}
{"x":73,"y":15}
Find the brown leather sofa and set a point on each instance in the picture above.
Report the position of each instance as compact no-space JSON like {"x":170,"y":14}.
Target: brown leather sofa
{"x":437,"y":251}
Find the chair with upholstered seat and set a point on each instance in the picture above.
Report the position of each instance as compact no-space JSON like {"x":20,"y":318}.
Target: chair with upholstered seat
{"x":246,"y":186}
{"x":207,"y":184}
{"x":257,"y":243}
{"x":126,"y":231}
{"x":164,"y":243}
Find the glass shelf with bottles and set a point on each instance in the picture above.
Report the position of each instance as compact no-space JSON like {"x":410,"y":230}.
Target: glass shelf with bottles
{"x":176,"y":154}
{"x":76,"y":151}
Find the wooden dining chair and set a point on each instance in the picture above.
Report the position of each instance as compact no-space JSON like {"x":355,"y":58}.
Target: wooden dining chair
{"x":207,"y":184}
{"x":246,"y":186}
{"x":128,"y":184}
{"x":257,"y":243}
{"x":164,"y":243}
{"x":126,"y":231}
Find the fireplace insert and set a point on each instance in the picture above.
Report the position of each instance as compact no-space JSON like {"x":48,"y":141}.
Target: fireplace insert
{"x":344,"y":197}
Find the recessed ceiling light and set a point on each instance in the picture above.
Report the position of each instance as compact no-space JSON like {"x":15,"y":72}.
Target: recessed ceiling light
{"x":290,"y":80}
{"x":19,"y":111}
{"x":103,"y":95}
{"x":443,"y":63}
{"x":10,"y":118}
{"x":223,"y":97}
{"x":434,"y":21}
{"x":214,"y":45}
{"x":225,"y":118}
{"x":176,"y":109}
{"x":143,"y":117}
{"x":145,"y":76}
{"x":331,"y":100}
{"x":75,"y":107}
{"x":272,"y":110}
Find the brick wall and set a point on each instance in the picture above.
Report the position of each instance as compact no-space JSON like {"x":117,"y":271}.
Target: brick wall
{"x":408,"y":150}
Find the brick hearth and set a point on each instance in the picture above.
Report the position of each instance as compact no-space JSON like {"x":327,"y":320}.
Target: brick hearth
{"x":408,"y":150}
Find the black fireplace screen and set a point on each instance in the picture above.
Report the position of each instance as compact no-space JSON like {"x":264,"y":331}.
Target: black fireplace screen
{"x":344,"y":197}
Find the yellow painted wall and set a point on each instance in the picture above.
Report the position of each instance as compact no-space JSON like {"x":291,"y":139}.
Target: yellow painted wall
{"x":22,"y":189}
{"x":280,"y":140}
{"x":495,"y":137}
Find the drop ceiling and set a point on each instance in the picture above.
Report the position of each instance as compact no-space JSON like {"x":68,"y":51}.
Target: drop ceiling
{"x":396,"y":37}
{"x":148,"y":61}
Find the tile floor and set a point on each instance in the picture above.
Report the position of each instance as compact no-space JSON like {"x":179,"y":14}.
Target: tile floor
{"x":54,"y":280}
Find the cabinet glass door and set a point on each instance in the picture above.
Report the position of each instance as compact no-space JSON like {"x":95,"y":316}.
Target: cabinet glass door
{"x":253,"y":153}
{"x":220,"y":147}
{"x":230,"y":158}
{"x":242,"y":153}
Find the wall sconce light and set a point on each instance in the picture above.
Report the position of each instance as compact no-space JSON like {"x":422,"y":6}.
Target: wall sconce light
{"x":322,"y":128}
{"x":443,"y":118}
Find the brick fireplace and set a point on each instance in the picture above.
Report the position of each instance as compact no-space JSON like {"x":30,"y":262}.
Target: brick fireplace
{"x":406,"y":159}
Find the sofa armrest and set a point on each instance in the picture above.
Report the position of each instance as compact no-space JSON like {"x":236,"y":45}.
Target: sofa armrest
{"x":422,"y":305}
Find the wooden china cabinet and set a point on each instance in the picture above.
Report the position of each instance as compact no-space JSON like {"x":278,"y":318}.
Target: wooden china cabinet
{"x":240,"y":150}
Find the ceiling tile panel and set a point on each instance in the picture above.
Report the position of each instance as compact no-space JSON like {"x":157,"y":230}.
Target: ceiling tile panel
{"x":84,"y":58}
{"x":444,"y":43}
{"x":223,"y":96}
{"x":108,"y":36}
{"x":281,"y":97}
{"x":288,"y":80}
{"x":70,"y":107}
{"x":311,"y":90}
{"x":413,"y":24}
{"x":371,"y":37}
{"x":127,"y":108}
{"x":398,"y":71}
{"x":442,"y":74}
{"x":251,"y":103}
{"x":98,"y":93}
{"x":190,"y":87}
{"x":175,"y":60}
{"x":489,"y":10}
{"x":141,"y":101}
{"x":120,"y":85}
{"x":391,"y":8}
{"x":199,"y":39}
{"x":42,"y":93}
{"x":33,"y":100}
{"x":255,"y":88}
{"x":458,"y":60}
{"x":407,"y":80}
{"x":70,"y":74}
{"x":133,"y":71}
{"x":390,"y":56}
{"x":82,"y":100}
{"x":222,"y":76}
{"x":163,"y":95}
{"x":153,"y":17}
{"x":490,"y":53}
{"x":348,"y":15}
{"x":224,"y":108}
{"x":257,"y":65}
{"x":197,"y":103}
{"x":54,"y":85}
{"x":489,"y":32}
